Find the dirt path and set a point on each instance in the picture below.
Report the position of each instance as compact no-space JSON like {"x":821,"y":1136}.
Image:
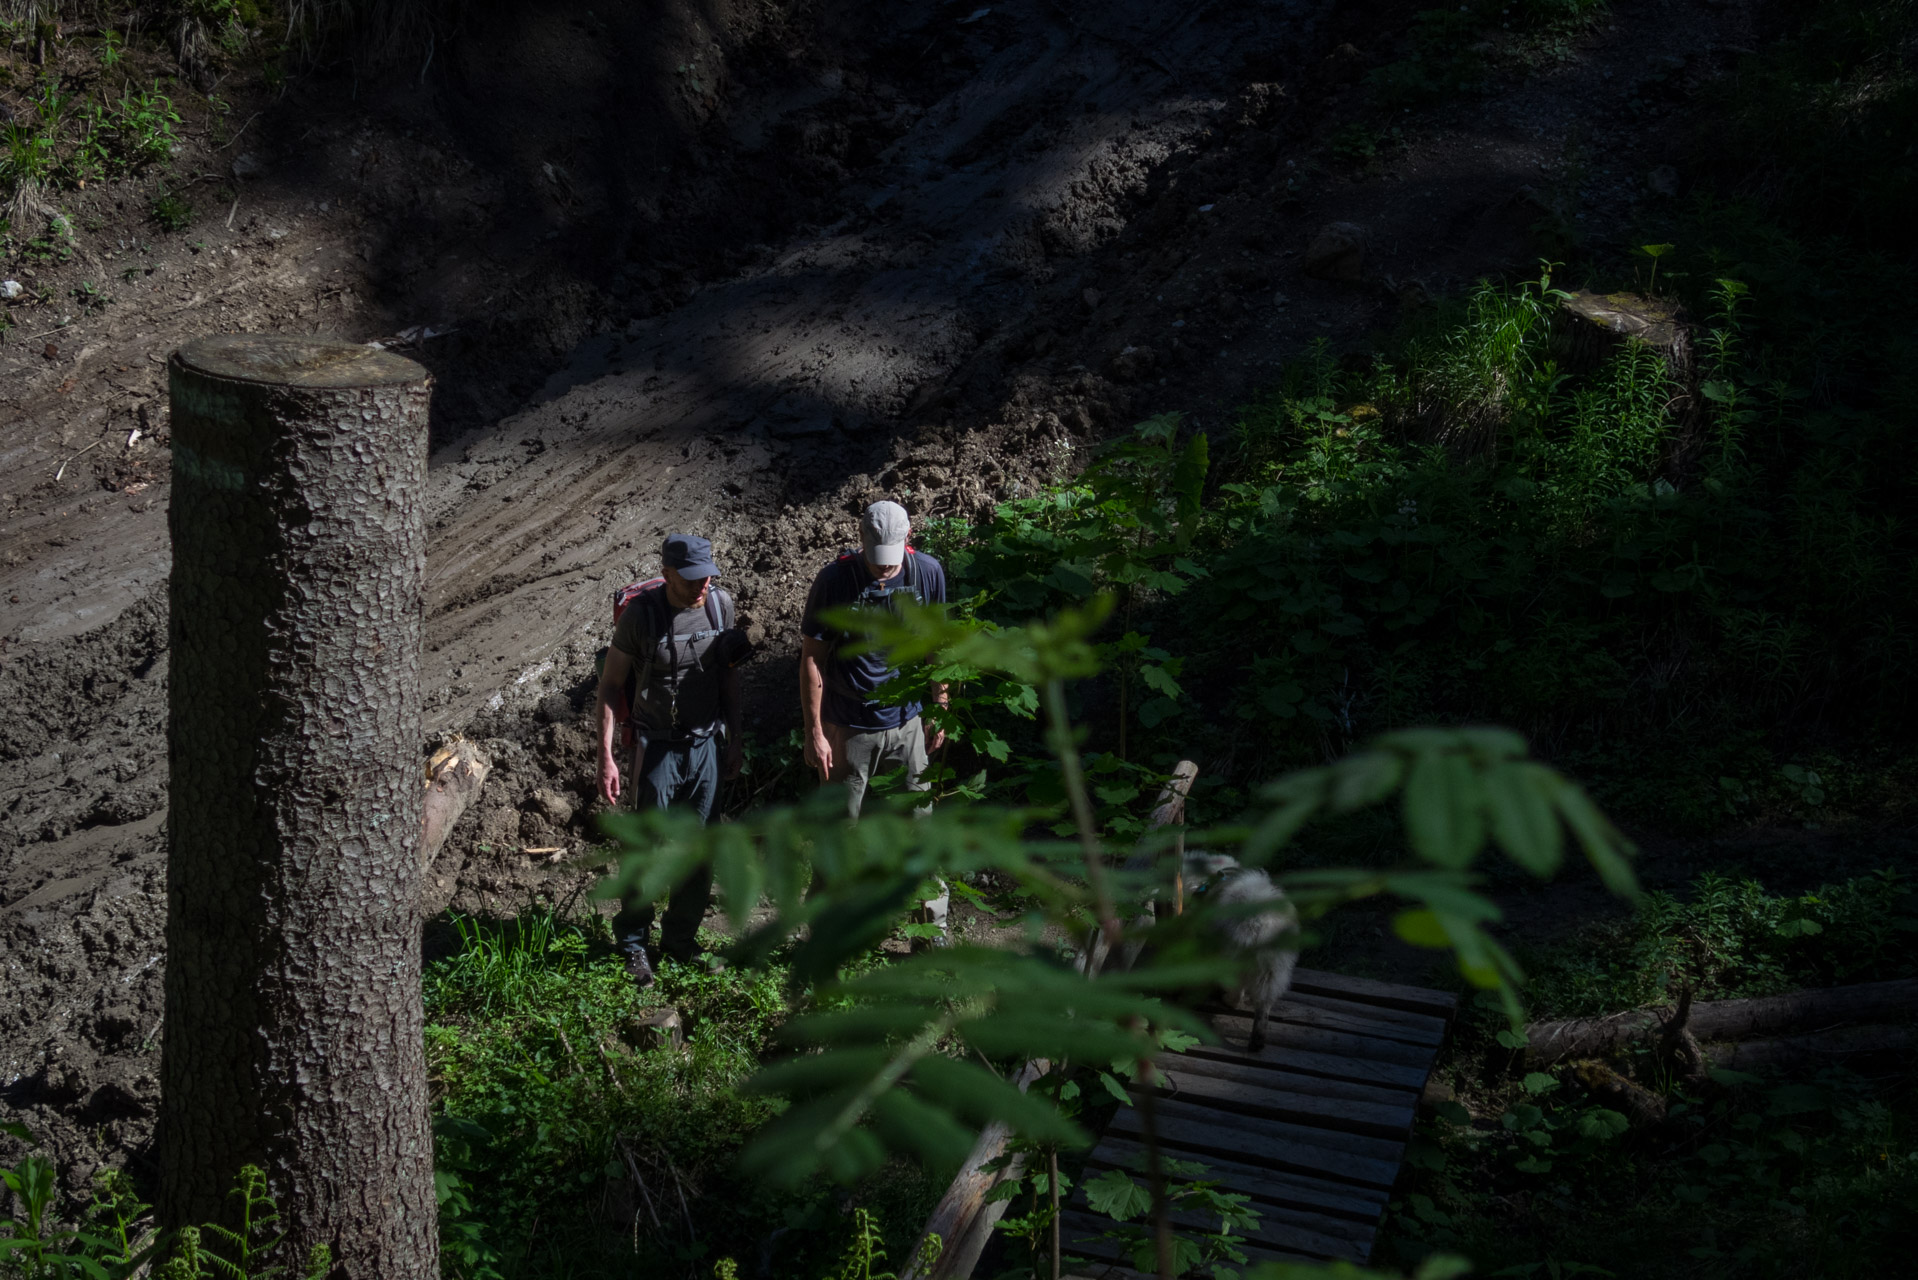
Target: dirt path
{"x":995,"y":235}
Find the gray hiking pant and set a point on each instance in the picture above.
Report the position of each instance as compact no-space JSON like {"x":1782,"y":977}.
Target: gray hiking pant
{"x":859,"y":754}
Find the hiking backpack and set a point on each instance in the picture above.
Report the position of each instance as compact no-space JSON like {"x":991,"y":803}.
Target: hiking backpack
{"x":911,"y":576}
{"x":623,"y":699}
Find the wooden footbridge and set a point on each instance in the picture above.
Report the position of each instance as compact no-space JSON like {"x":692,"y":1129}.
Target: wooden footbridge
{"x":1312,"y":1129}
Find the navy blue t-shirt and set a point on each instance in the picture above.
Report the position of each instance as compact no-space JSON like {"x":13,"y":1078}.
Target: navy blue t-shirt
{"x":850,"y":681}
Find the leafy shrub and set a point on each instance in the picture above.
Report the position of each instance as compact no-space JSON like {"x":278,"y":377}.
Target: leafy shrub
{"x":1753,"y":1178}
{"x":545,"y":1112}
{"x":1731,"y":938}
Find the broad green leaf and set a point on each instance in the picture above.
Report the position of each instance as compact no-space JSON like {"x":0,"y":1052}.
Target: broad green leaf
{"x":1602,"y":1123}
{"x":1608,"y":851}
{"x":1519,"y":797}
{"x":1114,"y":1194}
{"x":1421,"y":928}
{"x":1364,"y":779}
{"x":736,"y":870}
{"x":1188,"y":485}
{"x":1443,"y":809}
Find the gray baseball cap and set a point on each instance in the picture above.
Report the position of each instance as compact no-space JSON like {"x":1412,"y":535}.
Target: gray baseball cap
{"x":883,"y":531}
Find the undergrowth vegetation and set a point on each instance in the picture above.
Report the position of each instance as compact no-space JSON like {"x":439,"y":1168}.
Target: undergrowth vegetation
{"x":571,"y":1144}
{"x":1462,"y":527}
{"x":1812,"y":1173}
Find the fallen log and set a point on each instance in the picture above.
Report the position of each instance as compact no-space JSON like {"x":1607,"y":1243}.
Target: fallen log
{"x":1815,"y":1049}
{"x":1721,"y":1020}
{"x":963,"y":1219}
{"x":454,"y":777}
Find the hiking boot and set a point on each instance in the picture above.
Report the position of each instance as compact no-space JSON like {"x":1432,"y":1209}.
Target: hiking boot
{"x":638,"y":968}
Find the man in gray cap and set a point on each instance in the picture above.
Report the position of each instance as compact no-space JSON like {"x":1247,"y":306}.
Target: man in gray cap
{"x":671,"y":676}
{"x":849,"y":734}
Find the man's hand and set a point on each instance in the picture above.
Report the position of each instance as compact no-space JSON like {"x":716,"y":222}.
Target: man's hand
{"x":819,"y":753}
{"x":935,"y":736}
{"x":608,"y":779}
{"x":734,"y":760}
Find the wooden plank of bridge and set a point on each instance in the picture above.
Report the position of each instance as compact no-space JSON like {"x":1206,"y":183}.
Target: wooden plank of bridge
{"x":1312,"y":1129}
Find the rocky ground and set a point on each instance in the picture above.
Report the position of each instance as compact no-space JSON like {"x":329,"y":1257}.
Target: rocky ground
{"x":726,"y":267}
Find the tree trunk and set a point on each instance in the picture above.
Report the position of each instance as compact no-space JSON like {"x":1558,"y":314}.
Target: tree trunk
{"x":293,"y":1012}
{"x":1726,"y":1019}
{"x":1821,"y":1048}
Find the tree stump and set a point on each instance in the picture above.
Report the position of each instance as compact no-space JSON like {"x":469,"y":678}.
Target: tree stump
{"x":1598,"y":324}
{"x":293,"y":1011}
{"x":454,"y":777}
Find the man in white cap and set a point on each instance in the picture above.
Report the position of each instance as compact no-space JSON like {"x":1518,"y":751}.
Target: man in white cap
{"x":849,"y":734}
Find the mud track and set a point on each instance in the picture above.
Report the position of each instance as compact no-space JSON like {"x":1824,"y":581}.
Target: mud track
{"x":1058,"y":218}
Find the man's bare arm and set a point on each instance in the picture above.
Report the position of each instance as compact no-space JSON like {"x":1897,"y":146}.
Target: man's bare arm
{"x":611,"y":677}
{"x":935,"y":735}
{"x":812,"y":694}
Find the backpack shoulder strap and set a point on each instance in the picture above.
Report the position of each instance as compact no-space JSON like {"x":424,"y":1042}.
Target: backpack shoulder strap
{"x":715,"y":616}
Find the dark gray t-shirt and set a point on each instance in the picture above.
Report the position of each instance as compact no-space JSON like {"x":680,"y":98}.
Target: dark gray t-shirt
{"x":679,"y":674}
{"x":852,"y":680}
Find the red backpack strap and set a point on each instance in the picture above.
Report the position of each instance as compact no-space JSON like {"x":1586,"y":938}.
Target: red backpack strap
{"x":624,"y":596}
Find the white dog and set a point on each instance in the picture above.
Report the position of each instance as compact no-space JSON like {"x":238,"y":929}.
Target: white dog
{"x":1257,"y":937}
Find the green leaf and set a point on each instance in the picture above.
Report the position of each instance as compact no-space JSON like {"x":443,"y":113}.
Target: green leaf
{"x":1114,"y":1088}
{"x":1513,"y":1039}
{"x":1188,"y":484}
{"x":1114,"y":1194}
{"x":16,"y":1129}
{"x":1519,"y":796}
{"x":1731,"y":1079}
{"x":1443,"y":815}
{"x":1160,"y":679}
{"x":1607,"y":850}
{"x":1532,"y":1164}
{"x":1364,"y":779}
{"x":1155,"y":711}
{"x":1602,"y":1123}
{"x":1421,"y":928}
{"x":1537,"y":1082}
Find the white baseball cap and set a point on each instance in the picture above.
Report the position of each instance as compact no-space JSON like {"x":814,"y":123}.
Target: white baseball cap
{"x":883,"y":531}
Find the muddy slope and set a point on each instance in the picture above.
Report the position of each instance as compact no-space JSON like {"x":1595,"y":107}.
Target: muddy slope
{"x":903,"y":248}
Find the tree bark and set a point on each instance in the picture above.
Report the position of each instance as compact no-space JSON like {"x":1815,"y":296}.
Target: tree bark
{"x":1817,"y":1049}
{"x":1726,"y":1019}
{"x":294,"y":1024}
